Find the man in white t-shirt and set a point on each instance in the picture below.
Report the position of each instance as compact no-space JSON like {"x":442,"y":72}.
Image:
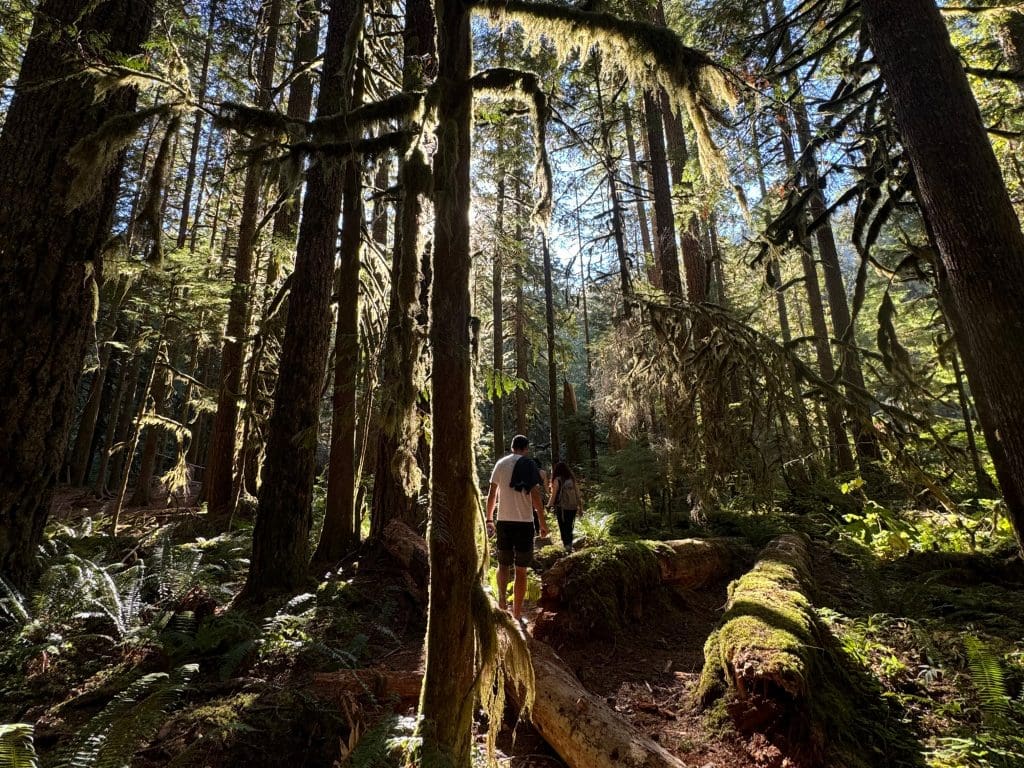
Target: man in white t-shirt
{"x":515,"y":490}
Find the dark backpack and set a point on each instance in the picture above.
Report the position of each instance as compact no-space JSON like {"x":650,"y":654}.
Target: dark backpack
{"x":525,"y":475}
{"x":568,"y":498}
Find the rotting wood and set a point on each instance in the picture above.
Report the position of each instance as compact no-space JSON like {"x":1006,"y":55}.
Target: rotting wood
{"x":581,"y":727}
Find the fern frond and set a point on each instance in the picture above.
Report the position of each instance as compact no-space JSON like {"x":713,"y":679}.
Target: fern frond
{"x":989,"y":682}
{"x":111,"y":738}
{"x":16,"y":747}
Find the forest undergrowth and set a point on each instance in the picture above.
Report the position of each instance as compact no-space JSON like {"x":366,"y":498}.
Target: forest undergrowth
{"x":134,"y":650}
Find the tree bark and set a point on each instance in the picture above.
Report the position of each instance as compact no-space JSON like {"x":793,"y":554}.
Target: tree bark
{"x":549,"y":317}
{"x":197,"y":129}
{"x":976,"y":228}
{"x":666,"y":253}
{"x":218,"y":488}
{"x":50,"y":255}
{"x":339,"y":535}
{"x":498,"y":317}
{"x":638,"y":194}
{"x":397,"y":479}
{"x":448,"y":698}
{"x":280,"y":547}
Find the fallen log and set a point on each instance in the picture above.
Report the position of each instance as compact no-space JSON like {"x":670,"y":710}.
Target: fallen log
{"x":581,"y":727}
{"x":761,"y":659}
{"x":594,"y":590}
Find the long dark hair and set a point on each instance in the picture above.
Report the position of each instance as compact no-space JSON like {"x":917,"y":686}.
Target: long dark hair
{"x":563,"y":472}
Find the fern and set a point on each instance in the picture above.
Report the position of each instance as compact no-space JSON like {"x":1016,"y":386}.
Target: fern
{"x":989,"y":682}
{"x":13,"y":608}
{"x":16,"y":747}
{"x":111,"y":738}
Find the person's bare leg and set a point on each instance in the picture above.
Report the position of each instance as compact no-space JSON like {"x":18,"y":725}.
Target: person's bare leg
{"x":518,"y":592}
{"x":503,"y":586}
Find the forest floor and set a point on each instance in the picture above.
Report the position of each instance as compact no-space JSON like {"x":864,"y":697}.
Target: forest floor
{"x":942,"y":635}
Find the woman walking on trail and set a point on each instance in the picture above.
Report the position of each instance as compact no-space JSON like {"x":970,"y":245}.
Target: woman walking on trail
{"x":565,"y":500}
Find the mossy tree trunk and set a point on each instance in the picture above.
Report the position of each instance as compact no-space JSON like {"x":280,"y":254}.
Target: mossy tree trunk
{"x":280,"y":547}
{"x":340,"y":535}
{"x":397,"y":479}
{"x":975,"y":226}
{"x":448,"y":697}
{"x":50,"y":255}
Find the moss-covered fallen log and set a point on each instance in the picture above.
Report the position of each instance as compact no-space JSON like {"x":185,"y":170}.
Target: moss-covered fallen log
{"x":595,"y":590}
{"x":762,"y":655}
{"x":776,"y":670}
{"x":581,"y":727}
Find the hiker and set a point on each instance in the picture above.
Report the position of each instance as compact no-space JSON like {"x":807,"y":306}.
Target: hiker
{"x":565,"y":500}
{"x":515,"y":491}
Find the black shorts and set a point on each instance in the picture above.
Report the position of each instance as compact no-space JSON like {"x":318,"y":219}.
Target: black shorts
{"x":515,"y":543}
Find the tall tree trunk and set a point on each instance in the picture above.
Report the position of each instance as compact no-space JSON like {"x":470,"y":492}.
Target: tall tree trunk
{"x":339,"y":535}
{"x":666,"y":253}
{"x":197,"y":128}
{"x":838,"y":442}
{"x":280,"y":545}
{"x":549,"y":318}
{"x":975,"y":226}
{"x":638,"y":191}
{"x":220,"y":465}
{"x":611,"y":177}
{"x":448,"y":697}
{"x":51,"y":250}
{"x":522,"y":349}
{"x":398,"y":473}
{"x":300,"y":104}
{"x":498,"y":317}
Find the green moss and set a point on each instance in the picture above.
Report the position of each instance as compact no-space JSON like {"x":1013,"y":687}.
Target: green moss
{"x":825,"y":708}
{"x":604,"y":585}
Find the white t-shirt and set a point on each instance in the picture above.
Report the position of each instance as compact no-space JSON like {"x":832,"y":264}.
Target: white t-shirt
{"x":513,"y":506}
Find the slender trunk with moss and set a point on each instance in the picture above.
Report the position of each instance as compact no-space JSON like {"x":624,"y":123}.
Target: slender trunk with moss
{"x":398,"y":473}
{"x":131,"y":441}
{"x":449,"y":697}
{"x":280,"y":546}
{"x":154,"y":437}
{"x":549,"y":325}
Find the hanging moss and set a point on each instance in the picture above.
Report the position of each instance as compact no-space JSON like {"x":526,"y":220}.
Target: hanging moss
{"x":94,"y":156}
{"x":651,"y":56}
